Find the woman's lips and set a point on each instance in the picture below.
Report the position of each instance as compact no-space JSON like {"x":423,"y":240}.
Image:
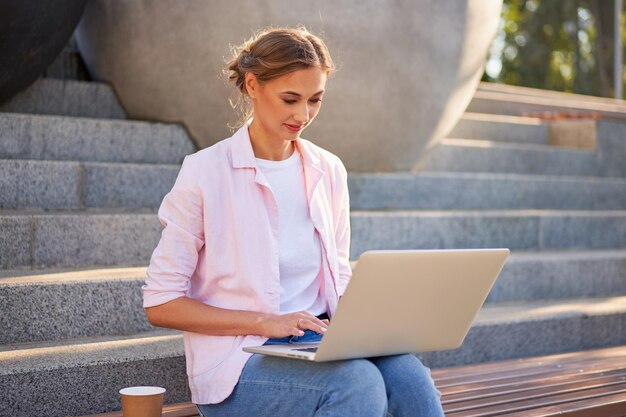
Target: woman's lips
{"x":293,"y":128}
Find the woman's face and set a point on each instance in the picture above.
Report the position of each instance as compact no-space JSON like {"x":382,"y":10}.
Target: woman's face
{"x":284,"y":106}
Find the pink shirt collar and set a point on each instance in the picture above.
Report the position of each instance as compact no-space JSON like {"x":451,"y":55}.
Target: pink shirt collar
{"x":243,"y":155}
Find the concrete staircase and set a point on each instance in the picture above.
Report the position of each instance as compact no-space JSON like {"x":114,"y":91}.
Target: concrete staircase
{"x":79,"y":189}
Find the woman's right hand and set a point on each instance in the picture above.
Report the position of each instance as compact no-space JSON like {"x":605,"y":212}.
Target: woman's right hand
{"x":291,"y":324}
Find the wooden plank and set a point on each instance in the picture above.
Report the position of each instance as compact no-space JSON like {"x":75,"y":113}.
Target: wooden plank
{"x":529,"y":371}
{"x":530,"y":386}
{"x":521,"y":382}
{"x":187,"y":409}
{"x":606,"y":406}
{"x":506,"y":409}
{"x":535,"y":371}
{"x":457,"y":371}
{"x":518,"y":366}
{"x":539,"y":393}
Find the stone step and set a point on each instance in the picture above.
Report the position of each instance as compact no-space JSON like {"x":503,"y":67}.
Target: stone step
{"x":66,"y":304}
{"x":537,"y":102}
{"x":521,"y":329}
{"x":501,"y":128}
{"x":611,"y":148}
{"x":67,"y":98}
{"x":69,"y":304}
{"x":36,"y":239}
{"x":532,"y":276}
{"x":83,"y":376}
{"x":74,"y":185}
{"x":458,"y":191}
{"x":516,"y":90}
{"x":63,"y":376}
{"x":94,"y":237}
{"x":28,"y":184}
{"x":24,"y":136}
{"x":463,"y":155}
{"x":520,"y":230}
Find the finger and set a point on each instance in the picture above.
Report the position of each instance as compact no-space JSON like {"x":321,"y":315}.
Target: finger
{"x":326,"y":322}
{"x":321,"y":323}
{"x":316,"y":324}
{"x":310,"y":325}
{"x":315,"y":320}
{"x":296,"y":331}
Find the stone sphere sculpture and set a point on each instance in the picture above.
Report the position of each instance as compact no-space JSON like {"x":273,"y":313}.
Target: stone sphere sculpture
{"x":406,"y":69}
{"x":32,"y":34}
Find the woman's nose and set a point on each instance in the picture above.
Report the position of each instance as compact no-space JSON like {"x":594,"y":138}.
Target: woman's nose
{"x":302,"y":114}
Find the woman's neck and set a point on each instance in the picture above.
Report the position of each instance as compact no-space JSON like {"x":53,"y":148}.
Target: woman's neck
{"x":265,"y":147}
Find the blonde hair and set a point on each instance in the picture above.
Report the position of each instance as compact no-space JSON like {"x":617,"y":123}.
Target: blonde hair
{"x":271,"y":53}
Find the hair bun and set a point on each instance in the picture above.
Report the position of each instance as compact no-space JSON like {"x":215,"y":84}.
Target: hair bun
{"x":246,"y":59}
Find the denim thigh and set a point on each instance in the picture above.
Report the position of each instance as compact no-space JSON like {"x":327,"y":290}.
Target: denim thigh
{"x":274,"y":386}
{"x":396,"y":386}
{"x":409,"y":386}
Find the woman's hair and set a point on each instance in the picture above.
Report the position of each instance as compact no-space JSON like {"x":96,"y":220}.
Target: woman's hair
{"x":274,"y":52}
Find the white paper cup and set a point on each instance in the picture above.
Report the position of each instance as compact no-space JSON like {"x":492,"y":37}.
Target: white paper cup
{"x":142,"y":401}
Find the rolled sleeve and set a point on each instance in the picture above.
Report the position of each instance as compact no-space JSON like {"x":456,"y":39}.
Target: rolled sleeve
{"x":175,"y":258}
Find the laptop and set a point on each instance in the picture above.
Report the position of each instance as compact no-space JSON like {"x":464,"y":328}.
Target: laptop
{"x":403,"y":301}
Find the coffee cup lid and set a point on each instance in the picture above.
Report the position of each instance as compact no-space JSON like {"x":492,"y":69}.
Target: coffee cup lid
{"x":142,"y":390}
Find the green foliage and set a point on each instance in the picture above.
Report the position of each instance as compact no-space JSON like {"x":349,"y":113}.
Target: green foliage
{"x":564,"y":45}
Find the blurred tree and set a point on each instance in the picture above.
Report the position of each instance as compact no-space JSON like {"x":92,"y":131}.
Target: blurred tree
{"x":564,"y":45}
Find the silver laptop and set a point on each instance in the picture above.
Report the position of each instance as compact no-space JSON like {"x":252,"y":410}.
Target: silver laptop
{"x":404,"y":302}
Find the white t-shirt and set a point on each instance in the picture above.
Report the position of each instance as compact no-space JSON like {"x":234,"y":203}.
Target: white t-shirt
{"x":299,"y":248}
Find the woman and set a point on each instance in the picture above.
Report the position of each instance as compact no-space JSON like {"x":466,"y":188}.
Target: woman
{"x":255,"y":249}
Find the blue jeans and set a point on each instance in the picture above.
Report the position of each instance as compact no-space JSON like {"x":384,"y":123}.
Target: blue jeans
{"x":396,"y":386}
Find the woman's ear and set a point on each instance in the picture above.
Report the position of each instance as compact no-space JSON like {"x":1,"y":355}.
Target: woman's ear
{"x":252,"y":85}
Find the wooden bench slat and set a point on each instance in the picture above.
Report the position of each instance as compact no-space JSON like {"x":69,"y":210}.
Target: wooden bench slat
{"x":523,"y":382}
{"x":537,"y":361}
{"x":505,"y":409}
{"x":531,"y":369}
{"x":521,"y":389}
{"x":606,"y":406}
{"x":539,"y":392}
{"x":536,"y":371}
{"x":187,"y":409}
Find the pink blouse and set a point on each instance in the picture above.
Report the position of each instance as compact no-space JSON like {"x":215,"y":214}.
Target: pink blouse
{"x":219,"y":246}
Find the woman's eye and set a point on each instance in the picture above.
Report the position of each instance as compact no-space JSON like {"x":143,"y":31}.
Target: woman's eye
{"x":313,"y":100}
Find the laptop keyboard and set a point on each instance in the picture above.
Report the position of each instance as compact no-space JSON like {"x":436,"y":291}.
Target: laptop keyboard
{"x":311,"y":349}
